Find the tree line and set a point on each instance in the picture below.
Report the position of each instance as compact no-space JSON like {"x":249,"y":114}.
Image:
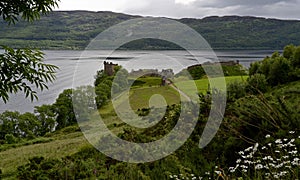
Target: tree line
{"x":64,"y":112}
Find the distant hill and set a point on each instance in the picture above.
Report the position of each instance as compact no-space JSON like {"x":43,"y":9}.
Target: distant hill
{"x":74,"y":30}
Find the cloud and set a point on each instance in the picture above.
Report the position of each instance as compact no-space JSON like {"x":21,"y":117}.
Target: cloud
{"x":284,"y":9}
{"x":184,"y":2}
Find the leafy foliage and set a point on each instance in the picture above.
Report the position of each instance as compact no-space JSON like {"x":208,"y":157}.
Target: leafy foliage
{"x":105,"y":85}
{"x":257,"y":84}
{"x":278,"y":69}
{"x":46,"y":115}
{"x":28,"y":10}
{"x":24,"y":66}
{"x":21,"y":68}
{"x":236,"y":90}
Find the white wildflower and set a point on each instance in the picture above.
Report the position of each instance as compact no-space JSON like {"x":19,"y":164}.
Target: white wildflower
{"x":248,"y":149}
{"x":255,"y":147}
{"x":285,"y":157}
{"x":267,"y":174}
{"x":218,"y":172}
{"x":293,"y":152}
{"x":258,"y":166}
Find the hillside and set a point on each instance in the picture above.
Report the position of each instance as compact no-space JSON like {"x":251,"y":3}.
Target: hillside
{"x":74,"y":30}
{"x":70,"y":147}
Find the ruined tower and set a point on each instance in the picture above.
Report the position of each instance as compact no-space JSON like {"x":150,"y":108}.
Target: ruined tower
{"x":109,"y":68}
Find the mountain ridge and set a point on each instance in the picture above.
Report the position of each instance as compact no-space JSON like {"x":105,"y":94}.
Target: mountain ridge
{"x":75,"y":29}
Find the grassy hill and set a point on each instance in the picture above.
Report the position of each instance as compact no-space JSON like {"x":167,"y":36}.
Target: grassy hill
{"x":70,"y":140}
{"x":75,"y":29}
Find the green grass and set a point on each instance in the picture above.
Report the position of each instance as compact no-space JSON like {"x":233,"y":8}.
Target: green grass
{"x":146,"y":82}
{"x":144,"y":88}
{"x":64,"y":145}
{"x":141,"y":92}
{"x":139,"y":98}
{"x":189,"y":86}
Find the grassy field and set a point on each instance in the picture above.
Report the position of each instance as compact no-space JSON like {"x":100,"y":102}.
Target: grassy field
{"x":191,"y":88}
{"x":146,"y":82}
{"x":139,"y":98}
{"x":63,"y":144}
{"x":144,"y":88}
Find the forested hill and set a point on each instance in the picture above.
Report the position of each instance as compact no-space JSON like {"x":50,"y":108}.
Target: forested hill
{"x":74,"y":30}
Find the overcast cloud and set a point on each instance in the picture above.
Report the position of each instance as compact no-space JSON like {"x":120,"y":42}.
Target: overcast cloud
{"x":282,"y":9}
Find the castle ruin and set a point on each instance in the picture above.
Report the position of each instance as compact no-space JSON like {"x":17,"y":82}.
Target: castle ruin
{"x":109,"y":68}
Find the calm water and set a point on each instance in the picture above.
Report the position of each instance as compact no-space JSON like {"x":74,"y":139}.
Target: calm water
{"x":74,"y":65}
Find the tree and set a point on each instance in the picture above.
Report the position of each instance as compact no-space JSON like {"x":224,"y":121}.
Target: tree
{"x":64,"y":109}
{"x":46,"y":117}
{"x":100,"y":77}
{"x":120,"y":81}
{"x":254,"y":68}
{"x":296,"y":57}
{"x":28,"y":10}
{"x":288,"y":51}
{"x":24,"y":67}
{"x":83,"y":102}
{"x":102,"y":94}
{"x":9,"y":123}
{"x":28,"y":125}
{"x":279,"y":71}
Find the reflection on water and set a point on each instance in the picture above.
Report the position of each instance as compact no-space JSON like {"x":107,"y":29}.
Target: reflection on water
{"x":131,"y":60}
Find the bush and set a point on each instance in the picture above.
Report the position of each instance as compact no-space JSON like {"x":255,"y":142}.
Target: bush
{"x":236,"y":90}
{"x":279,"y":69}
{"x":257,"y":83}
{"x":236,"y":70}
{"x":10,"y":139}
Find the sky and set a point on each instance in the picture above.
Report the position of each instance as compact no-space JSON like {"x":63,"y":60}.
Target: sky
{"x":280,"y":9}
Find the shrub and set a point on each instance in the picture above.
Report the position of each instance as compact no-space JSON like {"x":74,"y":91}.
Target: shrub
{"x":236,"y":90}
{"x":257,"y":83}
{"x":10,"y":139}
